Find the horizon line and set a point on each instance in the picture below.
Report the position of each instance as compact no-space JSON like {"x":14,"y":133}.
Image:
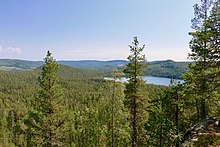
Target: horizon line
{"x":102,"y":60}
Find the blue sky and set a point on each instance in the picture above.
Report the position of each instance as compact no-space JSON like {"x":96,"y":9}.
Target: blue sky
{"x":94,"y":29}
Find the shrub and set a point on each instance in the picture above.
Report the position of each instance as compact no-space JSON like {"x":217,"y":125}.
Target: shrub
{"x":205,"y":140}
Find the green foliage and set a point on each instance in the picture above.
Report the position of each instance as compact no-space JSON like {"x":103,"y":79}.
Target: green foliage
{"x":67,"y":106}
{"x":48,"y":118}
{"x":168,"y":68}
{"x":87,"y":100}
{"x":135,"y":96}
{"x":207,"y":140}
{"x":202,"y":78}
{"x":166,"y":123}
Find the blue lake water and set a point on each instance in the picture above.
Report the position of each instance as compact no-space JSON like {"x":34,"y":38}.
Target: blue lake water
{"x":157,"y":80}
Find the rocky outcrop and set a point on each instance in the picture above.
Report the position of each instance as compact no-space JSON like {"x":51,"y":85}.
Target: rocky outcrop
{"x":209,"y":126}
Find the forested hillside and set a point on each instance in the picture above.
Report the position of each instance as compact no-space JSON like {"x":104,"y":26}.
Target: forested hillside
{"x":168,"y":68}
{"x":88,"y":101}
{"x":47,"y":104}
{"x":18,"y":65}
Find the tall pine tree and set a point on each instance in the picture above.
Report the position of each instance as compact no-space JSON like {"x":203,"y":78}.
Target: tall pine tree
{"x":200,"y":51}
{"x":135,"y":99}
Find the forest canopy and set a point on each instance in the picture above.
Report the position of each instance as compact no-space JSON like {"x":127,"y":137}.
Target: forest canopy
{"x":49,"y":104}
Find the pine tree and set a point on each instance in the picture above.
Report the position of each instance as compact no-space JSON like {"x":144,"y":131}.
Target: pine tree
{"x":213,"y":35}
{"x":135,"y":99}
{"x":213,"y":72}
{"x":48,"y":119}
{"x":200,"y":52}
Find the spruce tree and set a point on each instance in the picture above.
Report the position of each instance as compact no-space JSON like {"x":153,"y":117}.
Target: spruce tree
{"x":135,"y":99}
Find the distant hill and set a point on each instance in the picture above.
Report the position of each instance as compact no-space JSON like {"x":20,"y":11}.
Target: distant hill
{"x":95,"y":63}
{"x":18,"y":65}
{"x":167,"y":68}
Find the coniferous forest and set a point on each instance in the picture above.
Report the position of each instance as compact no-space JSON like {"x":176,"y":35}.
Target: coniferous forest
{"x":62,"y":106}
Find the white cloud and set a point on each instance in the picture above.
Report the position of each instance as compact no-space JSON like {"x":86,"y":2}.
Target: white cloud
{"x":9,"y":49}
{"x":5,"y":47}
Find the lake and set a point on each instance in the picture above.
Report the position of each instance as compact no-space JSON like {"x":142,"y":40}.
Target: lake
{"x":157,"y":80}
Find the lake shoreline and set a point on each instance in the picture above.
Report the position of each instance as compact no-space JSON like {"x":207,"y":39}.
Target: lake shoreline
{"x":162,"y":81}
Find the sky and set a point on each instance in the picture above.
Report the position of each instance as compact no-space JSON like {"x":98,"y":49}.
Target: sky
{"x":95,"y":29}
